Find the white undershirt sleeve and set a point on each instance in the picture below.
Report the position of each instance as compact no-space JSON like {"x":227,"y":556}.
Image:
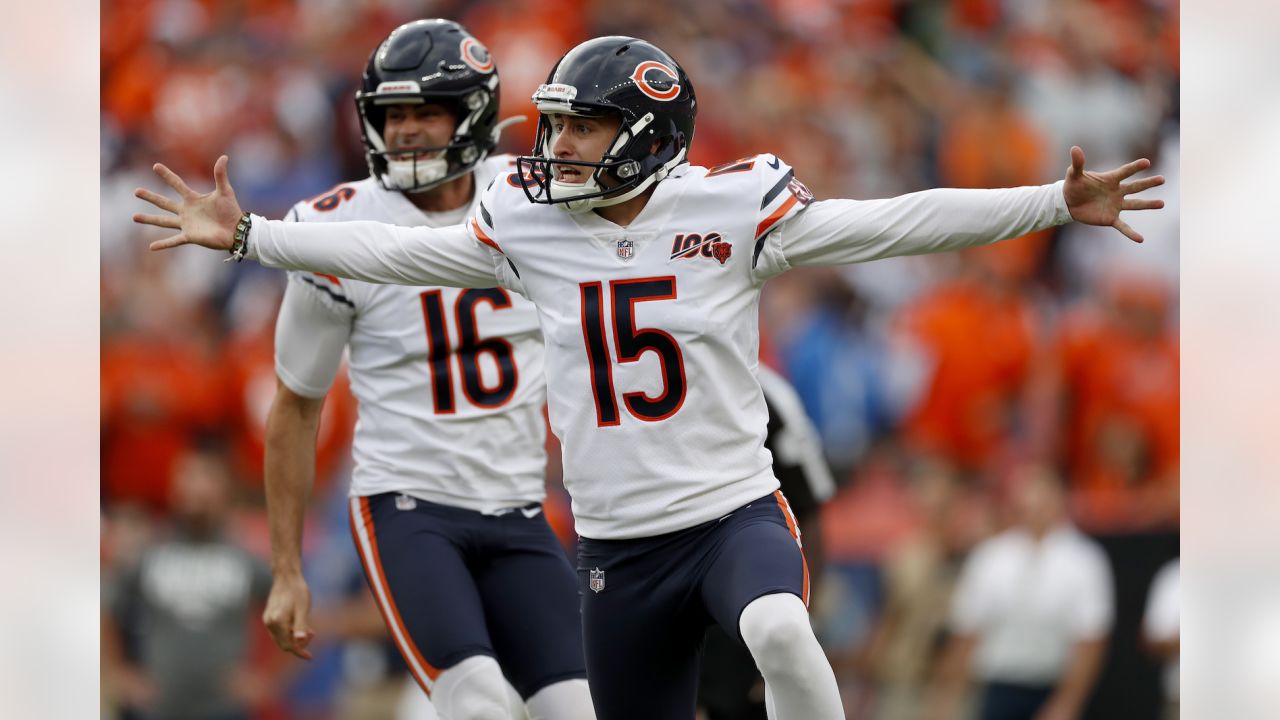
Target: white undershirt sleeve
{"x":834,"y":232}
{"x":311,"y":333}
{"x":376,"y":252}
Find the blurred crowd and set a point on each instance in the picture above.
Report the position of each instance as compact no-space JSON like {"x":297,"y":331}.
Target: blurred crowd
{"x":934,"y":381}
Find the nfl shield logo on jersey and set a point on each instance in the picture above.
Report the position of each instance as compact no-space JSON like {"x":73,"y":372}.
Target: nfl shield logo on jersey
{"x":626,"y":250}
{"x":405,"y":502}
{"x":597,"y":580}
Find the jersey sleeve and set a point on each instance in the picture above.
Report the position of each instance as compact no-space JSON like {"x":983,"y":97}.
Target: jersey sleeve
{"x":782,"y":198}
{"x":482,"y":228}
{"x":312,"y":327}
{"x":312,"y":330}
{"x":834,"y":232}
{"x":375,"y":252}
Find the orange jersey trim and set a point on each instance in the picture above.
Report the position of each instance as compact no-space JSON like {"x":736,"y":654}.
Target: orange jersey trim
{"x":475,"y":227}
{"x":372,"y":561}
{"x":795,"y":534}
{"x":768,"y":223}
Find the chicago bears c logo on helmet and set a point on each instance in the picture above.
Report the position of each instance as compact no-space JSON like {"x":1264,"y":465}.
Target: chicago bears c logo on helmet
{"x":476,"y":55}
{"x":648,"y":76}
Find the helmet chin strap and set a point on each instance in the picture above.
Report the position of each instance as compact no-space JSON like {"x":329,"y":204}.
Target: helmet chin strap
{"x":591,"y":186}
{"x":657,"y":175}
{"x":408,"y":174}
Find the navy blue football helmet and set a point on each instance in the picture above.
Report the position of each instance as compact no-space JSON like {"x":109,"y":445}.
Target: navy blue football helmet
{"x":634,"y":81}
{"x":429,"y":61}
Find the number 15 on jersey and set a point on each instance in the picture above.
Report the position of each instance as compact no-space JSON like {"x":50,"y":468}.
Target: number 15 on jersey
{"x":629,"y":342}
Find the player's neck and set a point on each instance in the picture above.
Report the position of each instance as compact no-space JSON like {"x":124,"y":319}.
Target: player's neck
{"x":445,"y":197}
{"x":624,"y":212}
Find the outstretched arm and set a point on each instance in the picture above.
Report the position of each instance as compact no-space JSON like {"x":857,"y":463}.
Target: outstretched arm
{"x":846,"y":231}
{"x":369,"y":251}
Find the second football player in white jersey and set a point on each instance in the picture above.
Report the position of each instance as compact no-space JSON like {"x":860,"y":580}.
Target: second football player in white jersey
{"x":647,"y":291}
{"x":448,"y":480}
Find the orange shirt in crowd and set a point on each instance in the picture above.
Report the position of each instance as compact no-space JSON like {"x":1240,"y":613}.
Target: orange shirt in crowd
{"x":980,"y":345}
{"x":157,"y":397}
{"x":990,"y":143}
{"x":1120,"y":393}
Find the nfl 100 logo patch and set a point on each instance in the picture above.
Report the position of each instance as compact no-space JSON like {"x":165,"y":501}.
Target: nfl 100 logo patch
{"x":597,"y":580}
{"x":626,"y":249}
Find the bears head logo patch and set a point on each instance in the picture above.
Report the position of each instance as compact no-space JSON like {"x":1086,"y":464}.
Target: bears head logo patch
{"x":721,"y":251}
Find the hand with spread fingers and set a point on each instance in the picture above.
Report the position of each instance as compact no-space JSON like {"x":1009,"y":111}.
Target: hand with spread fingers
{"x":208,"y":220}
{"x":1096,"y":198}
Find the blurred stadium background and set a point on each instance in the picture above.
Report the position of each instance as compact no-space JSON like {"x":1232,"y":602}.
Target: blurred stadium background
{"x":932,"y":380}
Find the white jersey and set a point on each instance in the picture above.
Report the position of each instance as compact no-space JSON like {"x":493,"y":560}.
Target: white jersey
{"x":449,"y":381}
{"x":652,"y":330}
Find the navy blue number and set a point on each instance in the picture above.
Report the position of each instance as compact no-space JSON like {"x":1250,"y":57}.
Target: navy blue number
{"x":470,"y":348}
{"x":631,"y":343}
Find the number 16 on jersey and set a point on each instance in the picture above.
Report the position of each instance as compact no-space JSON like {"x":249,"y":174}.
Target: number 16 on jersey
{"x":469,"y":351}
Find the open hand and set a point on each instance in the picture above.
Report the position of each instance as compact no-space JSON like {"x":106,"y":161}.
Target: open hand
{"x":288,"y":606}
{"x":207,"y":220}
{"x":1097,"y":198}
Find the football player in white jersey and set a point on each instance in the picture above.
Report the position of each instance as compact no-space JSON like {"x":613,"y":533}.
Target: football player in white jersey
{"x":646,"y":273}
{"x":447,"y":486}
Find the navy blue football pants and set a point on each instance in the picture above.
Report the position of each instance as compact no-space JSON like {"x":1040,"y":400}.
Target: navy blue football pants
{"x":646,"y":603}
{"x":452,"y":583}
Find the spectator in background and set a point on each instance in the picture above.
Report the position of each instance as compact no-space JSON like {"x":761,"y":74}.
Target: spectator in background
{"x":989,"y":141}
{"x":1075,"y":95}
{"x":178,"y":622}
{"x":1160,"y":632}
{"x":1117,"y":387}
{"x":977,"y":334}
{"x":160,"y":386}
{"x":920,"y":574}
{"x":836,"y":367}
{"x":1031,"y":614}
